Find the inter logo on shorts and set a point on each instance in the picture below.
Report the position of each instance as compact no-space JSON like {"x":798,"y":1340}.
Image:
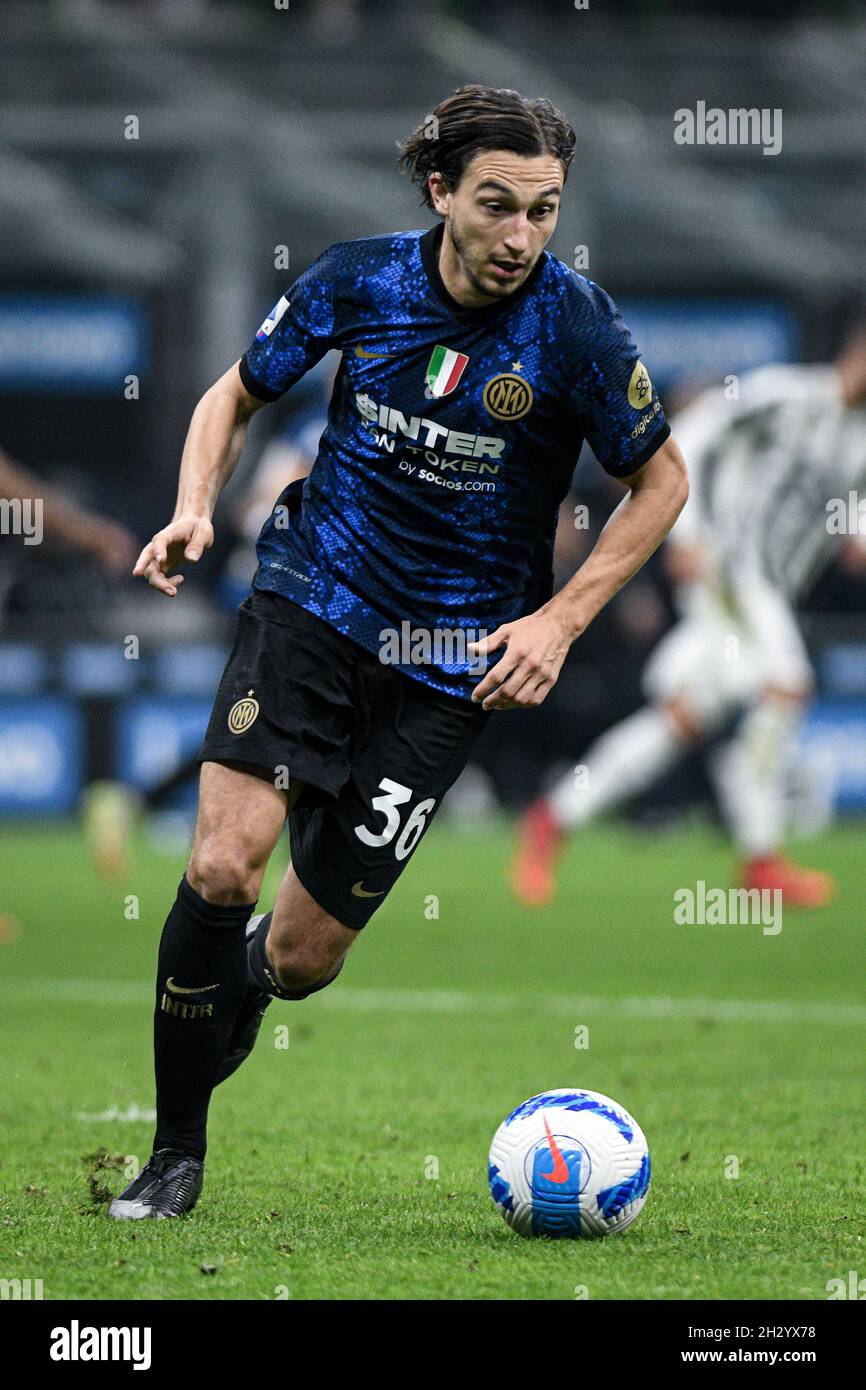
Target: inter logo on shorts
{"x":507,"y":396}
{"x":243,"y":713}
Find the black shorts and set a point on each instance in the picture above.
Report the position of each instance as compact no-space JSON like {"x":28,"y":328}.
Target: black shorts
{"x":375,"y":749}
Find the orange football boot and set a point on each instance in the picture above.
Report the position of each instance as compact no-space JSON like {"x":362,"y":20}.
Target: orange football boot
{"x":800,"y":887}
{"x":533,"y":869}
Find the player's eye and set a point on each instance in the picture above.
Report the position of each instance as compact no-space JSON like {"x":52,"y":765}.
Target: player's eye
{"x":493,"y":207}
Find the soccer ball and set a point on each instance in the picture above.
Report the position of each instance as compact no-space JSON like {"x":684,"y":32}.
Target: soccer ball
{"x":569,"y":1163}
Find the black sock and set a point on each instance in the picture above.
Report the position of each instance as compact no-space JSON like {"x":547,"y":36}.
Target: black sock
{"x":200,"y":983}
{"x":261,"y":973}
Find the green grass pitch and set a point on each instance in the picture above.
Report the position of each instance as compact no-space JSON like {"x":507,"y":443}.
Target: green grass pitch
{"x":350,"y":1164}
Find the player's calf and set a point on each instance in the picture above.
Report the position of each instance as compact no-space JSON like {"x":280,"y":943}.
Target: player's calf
{"x":252,"y":1010}
{"x":286,"y":972}
{"x":292,"y":967}
{"x":305,"y":947}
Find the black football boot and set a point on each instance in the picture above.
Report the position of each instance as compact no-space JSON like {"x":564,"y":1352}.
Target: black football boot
{"x":168,"y":1185}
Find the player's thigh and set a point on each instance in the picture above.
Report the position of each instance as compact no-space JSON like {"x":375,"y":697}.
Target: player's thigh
{"x":286,"y":700}
{"x":283,"y":716}
{"x":781,"y":660}
{"x":703,"y":668}
{"x":240,"y":817}
{"x":349,"y":852}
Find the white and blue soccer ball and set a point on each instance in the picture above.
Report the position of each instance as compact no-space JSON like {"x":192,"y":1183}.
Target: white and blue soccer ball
{"x":569,"y":1163}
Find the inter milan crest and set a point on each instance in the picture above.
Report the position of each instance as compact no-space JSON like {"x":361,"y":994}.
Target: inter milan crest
{"x":508,"y":396}
{"x":243,"y":713}
{"x":444,"y":371}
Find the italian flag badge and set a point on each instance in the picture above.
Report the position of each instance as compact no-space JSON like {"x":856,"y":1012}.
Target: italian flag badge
{"x":444,"y":370}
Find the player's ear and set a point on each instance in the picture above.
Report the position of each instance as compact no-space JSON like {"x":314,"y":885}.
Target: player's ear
{"x":438,"y":191}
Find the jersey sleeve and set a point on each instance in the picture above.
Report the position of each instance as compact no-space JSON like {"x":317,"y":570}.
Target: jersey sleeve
{"x":297,"y":333}
{"x":611,"y":392}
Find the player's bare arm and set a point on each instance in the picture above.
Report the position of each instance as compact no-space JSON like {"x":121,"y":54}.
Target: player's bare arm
{"x":214,"y":443}
{"x":536,"y":646}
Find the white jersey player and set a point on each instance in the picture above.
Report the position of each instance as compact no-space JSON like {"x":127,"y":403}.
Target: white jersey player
{"x":770,"y":468}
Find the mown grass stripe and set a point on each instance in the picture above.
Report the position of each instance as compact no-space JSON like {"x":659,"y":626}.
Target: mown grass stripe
{"x":435,"y":1001}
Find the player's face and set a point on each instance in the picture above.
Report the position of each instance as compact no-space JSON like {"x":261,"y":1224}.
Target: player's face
{"x":497,"y":222}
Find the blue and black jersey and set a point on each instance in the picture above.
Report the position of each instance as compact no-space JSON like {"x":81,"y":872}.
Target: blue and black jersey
{"x":451,"y":439}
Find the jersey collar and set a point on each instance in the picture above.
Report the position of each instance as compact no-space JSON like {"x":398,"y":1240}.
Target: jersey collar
{"x":430,"y":245}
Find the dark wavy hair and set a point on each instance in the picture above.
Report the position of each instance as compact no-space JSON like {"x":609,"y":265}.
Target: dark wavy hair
{"x":482,"y":118}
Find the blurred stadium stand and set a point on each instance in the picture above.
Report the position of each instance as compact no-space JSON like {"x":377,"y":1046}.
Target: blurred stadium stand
{"x":261,"y":128}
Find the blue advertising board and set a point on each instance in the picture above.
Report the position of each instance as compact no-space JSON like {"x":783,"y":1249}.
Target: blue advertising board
{"x":703,"y":341}
{"x":63,"y":343}
{"x":154,"y":734}
{"x":834,"y":734}
{"x":41,"y":755}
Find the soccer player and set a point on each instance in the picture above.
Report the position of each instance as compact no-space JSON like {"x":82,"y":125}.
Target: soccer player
{"x":474,"y":365}
{"x":766,"y":469}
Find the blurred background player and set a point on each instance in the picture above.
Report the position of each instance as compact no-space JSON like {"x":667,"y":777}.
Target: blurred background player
{"x":767,"y":456}
{"x":112,"y":808}
{"x":107,"y":542}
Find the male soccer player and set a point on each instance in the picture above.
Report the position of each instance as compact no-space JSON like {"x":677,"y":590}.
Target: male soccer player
{"x":766,"y":468}
{"x":474,"y":365}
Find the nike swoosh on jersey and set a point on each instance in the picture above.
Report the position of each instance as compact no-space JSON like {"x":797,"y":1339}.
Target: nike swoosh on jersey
{"x":359,"y":891}
{"x":184,"y":989}
{"x":560,"y":1167}
{"x":362,"y":352}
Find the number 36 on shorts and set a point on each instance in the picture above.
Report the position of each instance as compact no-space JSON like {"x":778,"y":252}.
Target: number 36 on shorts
{"x":394,"y":795}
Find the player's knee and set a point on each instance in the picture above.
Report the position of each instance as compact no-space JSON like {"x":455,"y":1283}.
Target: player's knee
{"x":223,"y":875}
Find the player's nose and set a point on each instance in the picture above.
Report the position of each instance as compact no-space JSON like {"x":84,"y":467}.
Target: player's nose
{"x":517,"y":235}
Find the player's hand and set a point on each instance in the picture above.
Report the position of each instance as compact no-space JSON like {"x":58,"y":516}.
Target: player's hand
{"x":186,"y":538}
{"x":535,"y":648}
